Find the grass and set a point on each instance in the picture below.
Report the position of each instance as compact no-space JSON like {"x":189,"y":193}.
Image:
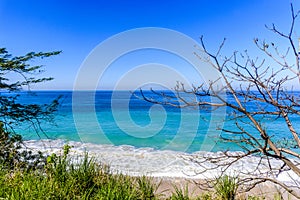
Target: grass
{"x":87,"y":179}
{"x":180,"y":194}
{"x":226,"y":187}
{"x":62,"y":179}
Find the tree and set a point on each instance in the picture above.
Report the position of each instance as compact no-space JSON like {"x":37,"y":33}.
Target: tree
{"x":16,"y":72}
{"x":247,"y":82}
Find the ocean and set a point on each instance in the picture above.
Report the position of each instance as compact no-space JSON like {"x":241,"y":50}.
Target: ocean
{"x":120,"y":118}
{"x":136,"y":137}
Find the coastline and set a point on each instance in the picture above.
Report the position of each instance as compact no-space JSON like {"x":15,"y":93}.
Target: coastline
{"x":155,"y":163}
{"x":166,"y":168}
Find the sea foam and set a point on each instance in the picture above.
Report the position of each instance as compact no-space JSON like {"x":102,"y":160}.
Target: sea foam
{"x":161,"y":163}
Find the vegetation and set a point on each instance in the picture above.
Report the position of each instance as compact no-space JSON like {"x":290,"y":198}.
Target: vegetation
{"x":226,"y":187}
{"x":15,"y":74}
{"x":24,"y":175}
{"x":180,"y":194}
{"x":65,"y":177}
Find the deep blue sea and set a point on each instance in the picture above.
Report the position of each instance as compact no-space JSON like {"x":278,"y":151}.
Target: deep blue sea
{"x":120,"y":118}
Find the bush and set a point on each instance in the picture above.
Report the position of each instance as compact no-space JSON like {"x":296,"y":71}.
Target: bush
{"x":226,"y":187}
{"x":62,"y":178}
{"x":13,"y":156}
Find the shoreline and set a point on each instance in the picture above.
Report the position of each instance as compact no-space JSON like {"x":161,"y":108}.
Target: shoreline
{"x":169,"y":168}
{"x":150,"y":162}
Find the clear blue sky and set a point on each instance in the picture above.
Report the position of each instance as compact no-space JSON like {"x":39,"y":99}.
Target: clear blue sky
{"x":76,"y":27}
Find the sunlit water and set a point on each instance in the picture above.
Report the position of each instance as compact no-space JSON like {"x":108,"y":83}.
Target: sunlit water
{"x":137,"y":137}
{"x":147,"y":125}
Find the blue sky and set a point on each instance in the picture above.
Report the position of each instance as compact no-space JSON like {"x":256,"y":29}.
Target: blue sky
{"x":76,"y":27}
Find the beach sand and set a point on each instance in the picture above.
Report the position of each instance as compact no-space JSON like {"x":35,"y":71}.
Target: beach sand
{"x":266,"y":191}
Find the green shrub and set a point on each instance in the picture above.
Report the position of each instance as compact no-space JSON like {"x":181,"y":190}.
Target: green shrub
{"x":62,"y":178}
{"x":180,"y":194}
{"x":13,"y":156}
{"x":226,"y":187}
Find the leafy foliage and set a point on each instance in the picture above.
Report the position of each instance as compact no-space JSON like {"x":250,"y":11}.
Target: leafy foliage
{"x":11,"y":153}
{"x":17,"y":72}
{"x":12,"y":112}
{"x":21,"y":65}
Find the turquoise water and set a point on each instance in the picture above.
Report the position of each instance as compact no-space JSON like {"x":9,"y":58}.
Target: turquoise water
{"x":131,"y":121}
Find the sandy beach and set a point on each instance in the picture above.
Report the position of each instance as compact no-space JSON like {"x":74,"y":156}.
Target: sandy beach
{"x":169,"y":168}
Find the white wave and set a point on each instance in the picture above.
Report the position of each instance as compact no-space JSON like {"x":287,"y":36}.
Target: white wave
{"x":159,"y":163}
